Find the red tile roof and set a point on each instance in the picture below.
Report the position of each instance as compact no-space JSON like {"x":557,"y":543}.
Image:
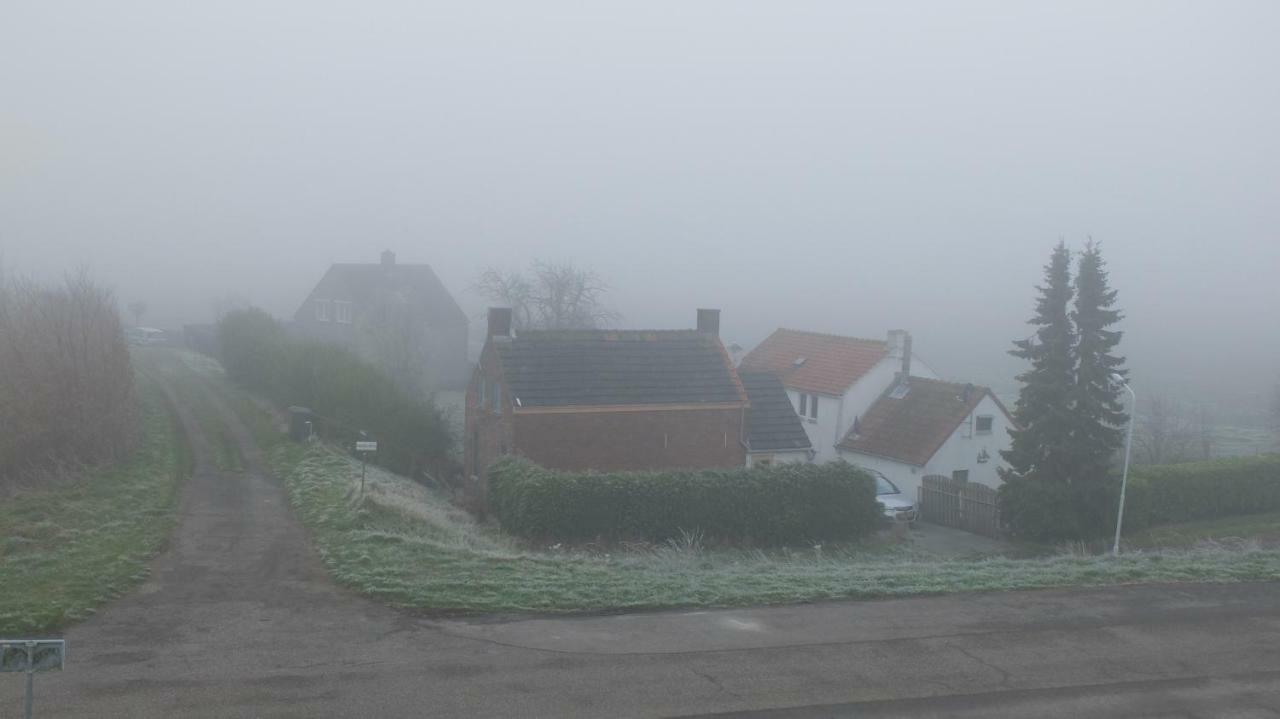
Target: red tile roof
{"x":912,"y":429}
{"x":830,"y":362}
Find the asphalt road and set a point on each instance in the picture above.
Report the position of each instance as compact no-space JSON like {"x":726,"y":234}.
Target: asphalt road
{"x":239,"y":620}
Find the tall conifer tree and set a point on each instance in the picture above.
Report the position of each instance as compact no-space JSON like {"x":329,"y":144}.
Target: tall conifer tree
{"x":1097,"y":403}
{"x":1041,"y":446}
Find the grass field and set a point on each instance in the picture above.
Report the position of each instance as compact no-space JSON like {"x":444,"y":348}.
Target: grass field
{"x":407,"y":546}
{"x":1260,"y":529}
{"x":66,"y":550}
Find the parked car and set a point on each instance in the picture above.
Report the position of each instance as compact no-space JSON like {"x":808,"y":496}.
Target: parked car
{"x":896,"y":506}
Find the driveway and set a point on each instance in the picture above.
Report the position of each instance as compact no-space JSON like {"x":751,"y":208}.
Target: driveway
{"x":239,"y":619}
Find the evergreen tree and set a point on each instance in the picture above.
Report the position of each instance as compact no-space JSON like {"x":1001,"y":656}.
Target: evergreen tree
{"x":1040,"y":449}
{"x":1098,"y":413}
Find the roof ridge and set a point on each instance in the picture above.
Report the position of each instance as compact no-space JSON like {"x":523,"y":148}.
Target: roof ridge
{"x":831,"y":335}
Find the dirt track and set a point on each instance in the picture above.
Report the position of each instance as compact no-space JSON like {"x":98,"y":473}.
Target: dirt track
{"x":240,"y":619}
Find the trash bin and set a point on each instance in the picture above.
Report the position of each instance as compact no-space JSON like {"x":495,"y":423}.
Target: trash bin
{"x":299,"y":424}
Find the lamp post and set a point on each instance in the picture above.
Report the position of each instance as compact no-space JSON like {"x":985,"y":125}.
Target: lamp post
{"x":1124,"y":477}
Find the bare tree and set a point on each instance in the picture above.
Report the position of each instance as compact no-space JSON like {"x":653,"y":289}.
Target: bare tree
{"x":137,"y":308}
{"x":549,"y":296}
{"x":1165,"y":435}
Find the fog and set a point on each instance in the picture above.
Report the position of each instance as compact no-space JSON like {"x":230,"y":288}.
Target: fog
{"x":836,"y":166}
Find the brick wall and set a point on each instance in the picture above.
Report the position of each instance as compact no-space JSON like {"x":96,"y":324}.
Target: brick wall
{"x":488,"y":435}
{"x":656,"y":439}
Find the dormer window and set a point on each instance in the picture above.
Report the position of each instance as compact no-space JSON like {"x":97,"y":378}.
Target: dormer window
{"x":342,"y":312}
{"x":322,"y":310}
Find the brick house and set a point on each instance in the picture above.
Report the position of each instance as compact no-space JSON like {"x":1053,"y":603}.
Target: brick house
{"x":398,"y":316}
{"x":606,"y":399}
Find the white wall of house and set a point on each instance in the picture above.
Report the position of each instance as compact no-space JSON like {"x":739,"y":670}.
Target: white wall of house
{"x":959,"y":452}
{"x":835,"y":414}
{"x":787,"y":457}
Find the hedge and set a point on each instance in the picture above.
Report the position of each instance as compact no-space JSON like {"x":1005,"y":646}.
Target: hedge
{"x":776,"y":505}
{"x":1166,"y":494}
{"x":345,"y":392}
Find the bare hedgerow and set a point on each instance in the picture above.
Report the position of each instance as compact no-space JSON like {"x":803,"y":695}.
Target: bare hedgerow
{"x":66,"y":390}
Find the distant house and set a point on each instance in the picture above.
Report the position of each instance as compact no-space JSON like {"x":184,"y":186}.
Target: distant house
{"x":606,"y":399}
{"x":775,"y":434}
{"x":927,"y":426}
{"x":831,"y":379}
{"x":398,"y":316}
{"x":875,"y":404}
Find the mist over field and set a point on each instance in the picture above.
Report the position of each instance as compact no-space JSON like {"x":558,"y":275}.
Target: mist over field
{"x":834,"y":166}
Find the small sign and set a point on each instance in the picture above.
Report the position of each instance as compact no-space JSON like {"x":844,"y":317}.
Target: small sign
{"x":32,"y":655}
{"x":366,"y":446}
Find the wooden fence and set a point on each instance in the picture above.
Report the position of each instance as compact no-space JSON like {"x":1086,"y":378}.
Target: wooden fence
{"x":963,"y":505}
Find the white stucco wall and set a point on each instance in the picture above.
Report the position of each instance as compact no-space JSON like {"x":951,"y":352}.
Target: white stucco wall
{"x":835,"y":414}
{"x":960,"y":451}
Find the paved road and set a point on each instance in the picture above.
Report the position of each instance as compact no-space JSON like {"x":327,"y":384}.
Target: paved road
{"x":239,"y":620}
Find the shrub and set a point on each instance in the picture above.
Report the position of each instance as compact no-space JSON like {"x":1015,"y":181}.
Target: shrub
{"x":783,"y":504}
{"x":1202,"y":490}
{"x":1044,"y":511}
{"x":66,"y":383}
{"x":346,"y":393}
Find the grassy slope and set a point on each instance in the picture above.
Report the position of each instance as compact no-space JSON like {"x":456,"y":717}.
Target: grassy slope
{"x":69,"y":549}
{"x":1263,"y":529}
{"x":409,"y":547}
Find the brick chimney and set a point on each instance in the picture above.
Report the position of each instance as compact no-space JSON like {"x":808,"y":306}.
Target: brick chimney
{"x":709,"y":321}
{"x":388,"y":258}
{"x":500,"y":322}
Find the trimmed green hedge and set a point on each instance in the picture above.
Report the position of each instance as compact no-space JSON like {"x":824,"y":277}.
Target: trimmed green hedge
{"x":782,"y":504}
{"x":1202,"y":490}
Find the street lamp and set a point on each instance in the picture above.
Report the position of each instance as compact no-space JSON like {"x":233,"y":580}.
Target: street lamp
{"x":1124,"y":478}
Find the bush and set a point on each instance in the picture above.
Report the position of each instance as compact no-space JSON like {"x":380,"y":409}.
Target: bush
{"x":66,"y":383}
{"x":1052,"y":511}
{"x":1202,"y":490}
{"x":783,"y":504}
{"x":346,"y":393}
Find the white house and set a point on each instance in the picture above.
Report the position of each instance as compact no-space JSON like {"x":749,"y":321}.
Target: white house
{"x":927,"y":426}
{"x":830,"y":379}
{"x":875,"y":404}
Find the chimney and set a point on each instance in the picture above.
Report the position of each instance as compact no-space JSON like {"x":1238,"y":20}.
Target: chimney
{"x":709,"y":321}
{"x":906,"y":357}
{"x":899,"y":343}
{"x":388,"y":258}
{"x":499,"y":321}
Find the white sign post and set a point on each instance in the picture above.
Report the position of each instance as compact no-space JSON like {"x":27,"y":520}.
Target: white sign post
{"x":364,"y":447}
{"x":31,"y":656}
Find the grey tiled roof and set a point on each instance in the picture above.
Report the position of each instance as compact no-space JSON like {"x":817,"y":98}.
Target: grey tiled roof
{"x":772,"y":423}
{"x":417,"y":285}
{"x":616,"y":367}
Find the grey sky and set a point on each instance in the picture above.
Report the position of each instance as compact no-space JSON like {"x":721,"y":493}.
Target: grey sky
{"x":840,"y":166}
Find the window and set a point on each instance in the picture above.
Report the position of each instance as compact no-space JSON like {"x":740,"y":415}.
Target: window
{"x":804,"y":405}
{"x":322,"y":310}
{"x":960,"y":475}
{"x":483,"y":393}
{"x":495,"y":397}
{"x":983,"y":424}
{"x":342,"y":312}
{"x":813,"y":406}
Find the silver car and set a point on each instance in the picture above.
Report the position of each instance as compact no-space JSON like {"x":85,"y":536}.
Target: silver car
{"x":896,"y":506}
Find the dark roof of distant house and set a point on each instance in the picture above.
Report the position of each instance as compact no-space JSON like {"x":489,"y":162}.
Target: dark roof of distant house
{"x":365,"y":283}
{"x":815,"y":362}
{"x":772,"y":423}
{"x":912,"y":429}
{"x":566,"y":368}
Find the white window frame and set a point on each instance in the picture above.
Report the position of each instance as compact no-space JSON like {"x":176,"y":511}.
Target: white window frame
{"x":991,"y":419}
{"x":322,"y":310}
{"x":342,"y":312}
